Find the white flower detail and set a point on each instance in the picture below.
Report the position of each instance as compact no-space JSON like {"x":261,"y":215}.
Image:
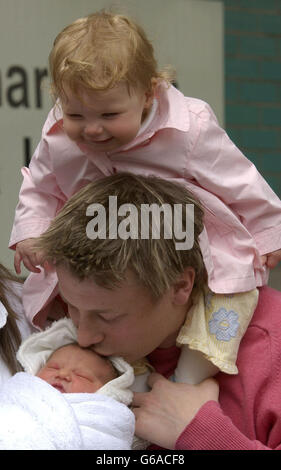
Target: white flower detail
{"x":224,"y":324}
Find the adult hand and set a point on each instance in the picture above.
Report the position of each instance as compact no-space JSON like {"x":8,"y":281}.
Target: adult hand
{"x":164,"y":412}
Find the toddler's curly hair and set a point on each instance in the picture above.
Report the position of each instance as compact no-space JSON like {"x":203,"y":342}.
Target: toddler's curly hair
{"x":101,"y":50}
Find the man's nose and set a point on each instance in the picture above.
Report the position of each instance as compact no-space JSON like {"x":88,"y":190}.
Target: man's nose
{"x":88,"y":334}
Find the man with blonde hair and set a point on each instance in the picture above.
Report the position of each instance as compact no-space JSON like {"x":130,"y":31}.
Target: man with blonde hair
{"x":93,"y":243}
{"x":134,"y":297}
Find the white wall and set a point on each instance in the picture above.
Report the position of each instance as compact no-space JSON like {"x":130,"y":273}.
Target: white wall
{"x":187,"y":34}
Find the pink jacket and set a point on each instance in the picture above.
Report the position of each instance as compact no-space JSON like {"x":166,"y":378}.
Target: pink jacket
{"x":183,"y":143}
{"x":248,"y":415}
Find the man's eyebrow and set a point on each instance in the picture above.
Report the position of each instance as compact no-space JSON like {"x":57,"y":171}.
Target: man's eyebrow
{"x":98,"y":310}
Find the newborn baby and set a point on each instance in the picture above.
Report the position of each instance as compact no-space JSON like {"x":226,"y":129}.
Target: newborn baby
{"x":72,"y":369}
{"x":67,"y":397}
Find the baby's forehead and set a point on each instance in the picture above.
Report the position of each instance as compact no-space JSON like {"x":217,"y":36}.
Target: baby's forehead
{"x":73,"y":352}
{"x":64,"y":350}
{"x":73,"y":356}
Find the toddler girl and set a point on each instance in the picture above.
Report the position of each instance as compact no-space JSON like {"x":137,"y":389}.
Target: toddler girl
{"x":115,"y":112}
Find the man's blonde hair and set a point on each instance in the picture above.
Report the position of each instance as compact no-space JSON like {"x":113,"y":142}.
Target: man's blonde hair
{"x":101,"y":50}
{"x":156,"y":263}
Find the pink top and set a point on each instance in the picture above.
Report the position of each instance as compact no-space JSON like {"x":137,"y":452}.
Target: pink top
{"x":248,"y":415}
{"x":183,"y":143}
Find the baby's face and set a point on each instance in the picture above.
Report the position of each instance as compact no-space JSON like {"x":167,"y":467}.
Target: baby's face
{"x":71,"y":369}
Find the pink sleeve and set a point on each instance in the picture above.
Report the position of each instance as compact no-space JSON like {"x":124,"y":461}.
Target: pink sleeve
{"x":212,"y":430}
{"x":40,"y":197}
{"x":219,"y":167}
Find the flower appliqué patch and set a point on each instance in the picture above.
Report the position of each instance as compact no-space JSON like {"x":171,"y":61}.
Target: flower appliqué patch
{"x":224,"y":324}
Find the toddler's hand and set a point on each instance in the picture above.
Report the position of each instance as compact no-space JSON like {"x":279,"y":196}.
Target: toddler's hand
{"x":24,"y":253}
{"x":271,"y":259}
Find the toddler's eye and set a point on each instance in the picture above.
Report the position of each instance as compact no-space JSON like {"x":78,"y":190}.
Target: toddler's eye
{"x":74,"y":116}
{"x":110,"y":115}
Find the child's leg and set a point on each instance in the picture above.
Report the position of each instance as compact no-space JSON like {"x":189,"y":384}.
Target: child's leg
{"x":214,"y":327}
{"x":193,"y":367}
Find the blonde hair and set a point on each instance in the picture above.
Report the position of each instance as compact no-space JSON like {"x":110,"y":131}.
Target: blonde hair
{"x":10,"y":337}
{"x":99,"y":51}
{"x":156,"y":263}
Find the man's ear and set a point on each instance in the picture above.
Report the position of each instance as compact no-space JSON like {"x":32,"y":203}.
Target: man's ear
{"x":182,"y":288}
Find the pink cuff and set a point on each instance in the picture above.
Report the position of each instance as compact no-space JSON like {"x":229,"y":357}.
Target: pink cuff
{"x":25,"y":230}
{"x":210,"y":429}
{"x":269,"y":240}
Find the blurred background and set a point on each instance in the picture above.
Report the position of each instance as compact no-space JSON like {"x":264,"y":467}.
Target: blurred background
{"x":252,"y":68}
{"x":227,"y":53}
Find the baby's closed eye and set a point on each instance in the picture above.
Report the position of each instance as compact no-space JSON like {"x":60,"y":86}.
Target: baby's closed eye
{"x":53,"y":365}
{"x":83,"y":375}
